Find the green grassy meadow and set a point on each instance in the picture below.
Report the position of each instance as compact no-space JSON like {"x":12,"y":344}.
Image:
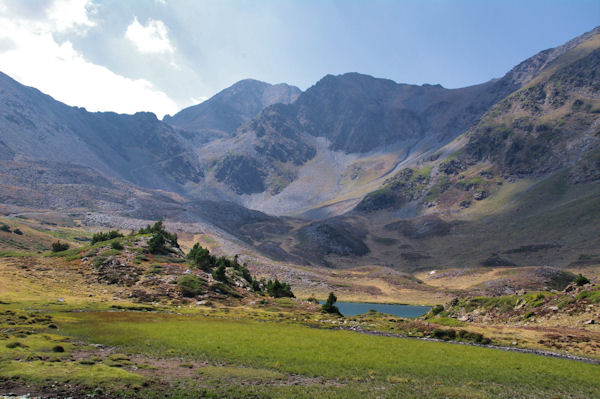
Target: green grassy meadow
{"x":343,"y":363}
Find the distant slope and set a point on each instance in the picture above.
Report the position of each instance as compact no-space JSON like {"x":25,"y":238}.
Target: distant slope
{"x":351,"y":114}
{"x":137,"y":148}
{"x":520,"y":187}
{"x":223,"y":113}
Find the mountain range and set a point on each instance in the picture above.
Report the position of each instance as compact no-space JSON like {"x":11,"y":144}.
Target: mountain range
{"x":355,"y":170}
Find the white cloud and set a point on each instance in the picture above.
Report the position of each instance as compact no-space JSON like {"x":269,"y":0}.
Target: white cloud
{"x":150,"y":38}
{"x":198,"y":100}
{"x":36,"y":59}
{"x":71,"y":14}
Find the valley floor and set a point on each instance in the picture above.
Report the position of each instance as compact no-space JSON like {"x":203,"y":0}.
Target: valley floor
{"x":222,"y":353}
{"x":66,"y":333}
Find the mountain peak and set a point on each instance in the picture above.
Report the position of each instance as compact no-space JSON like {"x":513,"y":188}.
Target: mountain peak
{"x":227,"y":110}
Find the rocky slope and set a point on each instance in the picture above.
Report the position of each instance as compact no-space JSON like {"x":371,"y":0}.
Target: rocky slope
{"x":223,"y":113}
{"x":534,"y":308}
{"x":360,"y":115}
{"x":353,"y":114}
{"x":136,"y":148}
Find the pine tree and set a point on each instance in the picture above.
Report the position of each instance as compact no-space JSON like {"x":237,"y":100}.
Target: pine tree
{"x":329,"y":306}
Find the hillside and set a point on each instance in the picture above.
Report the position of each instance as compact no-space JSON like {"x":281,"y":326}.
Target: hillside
{"x":138,"y":148}
{"x":344,"y":126}
{"x":519,"y":187}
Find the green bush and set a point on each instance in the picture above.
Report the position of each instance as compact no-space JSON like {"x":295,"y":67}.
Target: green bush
{"x":101,"y":236}
{"x":219,"y":273}
{"x":437,"y":309}
{"x":59,"y":246}
{"x":158,"y":229}
{"x":279,"y":289}
{"x":581,"y":280}
{"x":191,"y":285}
{"x":201,"y":258}
{"x":117,"y":245}
{"x":529,"y":314}
{"x":58,"y":349}
{"x":445,"y":334}
{"x":156,"y":244}
{"x":18,"y":232}
{"x":246,"y":274}
{"x":160,"y":237}
{"x":5,"y":228}
{"x":329,"y":305}
{"x":470,"y":336}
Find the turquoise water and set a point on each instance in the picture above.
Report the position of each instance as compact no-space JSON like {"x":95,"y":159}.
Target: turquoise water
{"x":354,"y":308}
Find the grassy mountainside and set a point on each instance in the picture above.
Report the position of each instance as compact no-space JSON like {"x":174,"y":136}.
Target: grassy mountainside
{"x":518,"y":188}
{"x":550,"y":124}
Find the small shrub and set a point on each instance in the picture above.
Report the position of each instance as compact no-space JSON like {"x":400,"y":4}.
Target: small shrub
{"x":246,"y":274}
{"x":219,"y":273}
{"x":470,"y":336}
{"x":256,"y":286}
{"x":191,"y":285}
{"x":581,"y":280}
{"x":58,"y":349}
{"x":437,"y":309}
{"x":444,"y":334}
{"x":15,"y":344}
{"x":141,"y":258}
{"x":18,"y":232}
{"x":5,"y":228}
{"x":155,"y":269}
{"x":279,"y":289}
{"x":59,"y":246}
{"x":117,"y":245}
{"x":160,"y":236}
{"x":102,"y":236}
{"x":529,"y":314}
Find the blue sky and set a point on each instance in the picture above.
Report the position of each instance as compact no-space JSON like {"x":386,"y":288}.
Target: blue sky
{"x":163,"y":55}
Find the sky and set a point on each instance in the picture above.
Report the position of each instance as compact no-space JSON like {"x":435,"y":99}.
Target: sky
{"x":165,"y":55}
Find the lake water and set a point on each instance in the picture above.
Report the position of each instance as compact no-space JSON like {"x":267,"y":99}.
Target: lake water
{"x":354,"y":308}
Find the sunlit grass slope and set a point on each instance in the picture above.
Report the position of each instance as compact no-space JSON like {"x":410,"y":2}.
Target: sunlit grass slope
{"x":341,"y":355}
